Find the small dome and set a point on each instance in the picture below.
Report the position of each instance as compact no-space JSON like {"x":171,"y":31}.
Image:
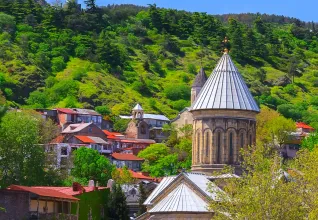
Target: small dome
{"x":225,"y":89}
{"x":138,"y":108}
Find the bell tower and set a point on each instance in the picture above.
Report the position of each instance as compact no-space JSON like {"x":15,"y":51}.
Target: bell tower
{"x":137,"y":112}
{"x":197,"y":85}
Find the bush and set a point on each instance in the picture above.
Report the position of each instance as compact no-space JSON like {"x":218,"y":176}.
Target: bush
{"x":192,"y":68}
{"x":176,"y":92}
{"x":79,"y":74}
{"x":120,"y":125}
{"x":169,"y":64}
{"x":103,"y":110}
{"x":180,"y":104}
{"x":290,"y":111}
{"x":58,"y":64}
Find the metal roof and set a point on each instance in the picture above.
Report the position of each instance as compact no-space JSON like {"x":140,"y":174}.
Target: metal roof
{"x":148,"y":116}
{"x":73,"y":128}
{"x":181,"y":199}
{"x":200,"y":79}
{"x":225,"y":89}
{"x":138,"y":107}
{"x":162,"y":185}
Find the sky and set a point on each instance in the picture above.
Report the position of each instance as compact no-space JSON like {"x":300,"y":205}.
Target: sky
{"x":305,"y":10}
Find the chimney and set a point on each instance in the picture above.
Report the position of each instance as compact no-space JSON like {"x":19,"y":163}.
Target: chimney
{"x":76,"y":187}
{"x":110,"y":184}
{"x":91,"y":183}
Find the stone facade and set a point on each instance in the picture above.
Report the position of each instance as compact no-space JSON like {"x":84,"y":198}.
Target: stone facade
{"x":218,"y":136}
{"x":137,"y":129}
{"x":13,"y":209}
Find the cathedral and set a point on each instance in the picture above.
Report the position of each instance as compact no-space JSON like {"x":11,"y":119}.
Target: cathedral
{"x":224,"y":117}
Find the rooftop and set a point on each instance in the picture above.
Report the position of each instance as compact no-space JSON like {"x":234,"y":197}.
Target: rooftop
{"x":225,"y":89}
{"x":69,"y":190}
{"x":303,"y":125}
{"x":130,"y":157}
{"x":138,"y":108}
{"x":148,"y":116}
{"x":138,"y":175}
{"x":75,"y":111}
{"x":73,"y":128}
{"x":90,"y":139}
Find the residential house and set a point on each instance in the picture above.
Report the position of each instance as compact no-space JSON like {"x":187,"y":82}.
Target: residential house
{"x":146,"y":126}
{"x":292,"y":145}
{"x":131,"y":161}
{"x":67,"y":116}
{"x":41,"y":202}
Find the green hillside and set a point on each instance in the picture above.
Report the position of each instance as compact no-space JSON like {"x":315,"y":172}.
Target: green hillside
{"x":53,"y":56}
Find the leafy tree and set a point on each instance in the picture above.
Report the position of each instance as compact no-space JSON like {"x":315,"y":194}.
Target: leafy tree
{"x":122,"y":176}
{"x":7,"y":23}
{"x":103,"y":110}
{"x":142,"y":198}
{"x":117,"y":206}
{"x":120,"y":125}
{"x":259,"y":193}
{"x":310,"y":142}
{"x":22,"y":159}
{"x":176,"y":92}
{"x":89,"y":164}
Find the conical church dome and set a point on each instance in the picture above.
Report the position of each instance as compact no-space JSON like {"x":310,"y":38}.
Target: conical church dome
{"x":225,"y":89}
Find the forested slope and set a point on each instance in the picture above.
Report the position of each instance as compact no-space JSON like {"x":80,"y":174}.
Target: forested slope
{"x":65,"y":56}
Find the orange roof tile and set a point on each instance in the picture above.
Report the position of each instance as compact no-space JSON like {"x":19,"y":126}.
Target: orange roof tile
{"x":58,"y":139}
{"x":45,"y":192}
{"x":303,"y":125}
{"x":132,"y":157}
{"x":68,"y":190}
{"x":84,"y":139}
{"x":137,"y":175}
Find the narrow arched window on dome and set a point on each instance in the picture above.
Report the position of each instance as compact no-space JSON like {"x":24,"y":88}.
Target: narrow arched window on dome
{"x":218,"y":144}
{"x":198,"y":148}
{"x":207,"y":137}
{"x":242,"y":140}
{"x":231,"y":147}
{"x":250,"y":139}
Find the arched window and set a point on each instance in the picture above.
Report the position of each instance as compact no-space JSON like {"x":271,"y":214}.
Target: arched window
{"x":242,"y":140}
{"x":250,"y":139}
{"x":231,"y":146}
{"x":207,"y":144}
{"x":198,"y":148}
{"x":218,"y":144}
{"x":143,"y":129}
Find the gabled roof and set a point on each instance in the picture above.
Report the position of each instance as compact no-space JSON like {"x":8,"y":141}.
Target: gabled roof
{"x":200,"y":79}
{"x":90,"y":139}
{"x":303,"y":125}
{"x":198,"y":183}
{"x":137,"y":175}
{"x":59,"y":139}
{"x":138,"y":107}
{"x":73,"y":128}
{"x":148,"y":116}
{"x":42,"y":192}
{"x":181,"y":199}
{"x":225,"y":89}
{"x":75,"y":111}
{"x":129,"y":157}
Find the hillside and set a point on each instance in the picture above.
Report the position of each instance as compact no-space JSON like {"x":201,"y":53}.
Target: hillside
{"x":54,"y":56}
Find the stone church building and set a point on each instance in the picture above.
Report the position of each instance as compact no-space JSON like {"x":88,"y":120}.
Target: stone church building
{"x":224,"y":121}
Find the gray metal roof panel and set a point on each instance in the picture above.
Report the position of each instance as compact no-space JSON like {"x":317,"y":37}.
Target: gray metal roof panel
{"x":181,"y":199}
{"x":225,"y":89}
{"x":200,"y":79}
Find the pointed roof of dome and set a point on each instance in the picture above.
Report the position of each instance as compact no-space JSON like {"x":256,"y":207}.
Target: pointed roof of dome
{"x":138,"y":107}
{"x":225,"y":89}
{"x":200,"y":79}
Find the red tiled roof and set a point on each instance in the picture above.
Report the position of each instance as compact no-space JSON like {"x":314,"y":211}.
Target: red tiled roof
{"x":69,"y":190}
{"x":138,"y":141}
{"x":66,"y":110}
{"x":112,"y":135}
{"x":58,"y":139}
{"x":303,"y":125}
{"x":84,"y":139}
{"x":119,"y":156}
{"x":45,"y":192}
{"x":138,"y":175}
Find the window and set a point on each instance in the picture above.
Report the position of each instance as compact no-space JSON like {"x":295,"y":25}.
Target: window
{"x":231,"y":144}
{"x":63,"y":150}
{"x":250,"y":140}
{"x":198,"y":147}
{"x":143,"y":129}
{"x":207,"y":137}
{"x":242,"y":140}
{"x":218,"y":144}
{"x":90,"y":130}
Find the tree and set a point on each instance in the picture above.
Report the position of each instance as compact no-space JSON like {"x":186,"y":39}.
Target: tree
{"x":89,"y":164}
{"x":120,"y":125}
{"x":117,"y":206}
{"x":272,"y":128}
{"x":103,"y":110}
{"x":142,"y":198}
{"x":21,"y":158}
{"x":122,"y":176}
{"x":264,"y":191}
{"x":310,"y":142}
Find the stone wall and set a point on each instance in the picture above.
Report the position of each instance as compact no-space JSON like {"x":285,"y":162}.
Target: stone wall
{"x":218,"y":136}
{"x":15,"y":203}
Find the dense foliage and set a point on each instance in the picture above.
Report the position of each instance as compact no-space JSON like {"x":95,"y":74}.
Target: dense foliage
{"x":116,"y":56}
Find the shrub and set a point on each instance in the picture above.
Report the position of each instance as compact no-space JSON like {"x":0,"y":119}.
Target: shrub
{"x":176,"y":92}
{"x":58,"y":64}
